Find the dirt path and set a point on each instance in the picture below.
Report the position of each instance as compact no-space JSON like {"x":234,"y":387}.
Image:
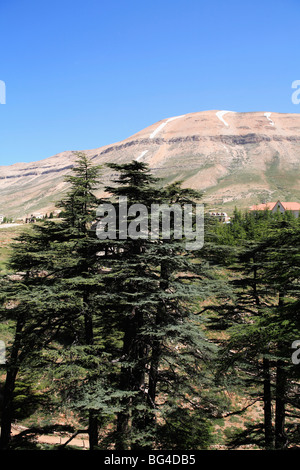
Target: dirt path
{"x":57,"y":438}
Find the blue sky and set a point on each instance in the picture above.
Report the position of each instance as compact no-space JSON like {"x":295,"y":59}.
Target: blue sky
{"x":82,"y":74}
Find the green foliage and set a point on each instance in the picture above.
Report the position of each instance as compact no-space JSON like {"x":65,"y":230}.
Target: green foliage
{"x":124,"y":332}
{"x":26,"y":400}
{"x":261,"y":315}
{"x":184,"y":429}
{"x":246,"y":226}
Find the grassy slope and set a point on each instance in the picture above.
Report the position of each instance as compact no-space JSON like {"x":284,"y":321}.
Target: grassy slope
{"x":7,"y":235}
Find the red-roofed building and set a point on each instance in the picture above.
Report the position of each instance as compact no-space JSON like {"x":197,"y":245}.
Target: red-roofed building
{"x":293,"y":207}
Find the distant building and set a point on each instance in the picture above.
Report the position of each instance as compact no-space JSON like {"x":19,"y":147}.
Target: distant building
{"x":293,"y":207}
{"x":30,"y":220}
{"x":1,"y":218}
{"x":221,"y":216}
{"x":33,"y":218}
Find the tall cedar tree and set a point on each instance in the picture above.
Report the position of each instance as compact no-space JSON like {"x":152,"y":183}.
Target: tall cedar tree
{"x":154,"y":282}
{"x":50,"y":297}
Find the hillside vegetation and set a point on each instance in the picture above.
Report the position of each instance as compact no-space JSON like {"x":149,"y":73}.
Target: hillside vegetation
{"x":140,"y":343}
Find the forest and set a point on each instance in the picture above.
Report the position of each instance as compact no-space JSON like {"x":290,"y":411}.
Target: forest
{"x":141,"y":344}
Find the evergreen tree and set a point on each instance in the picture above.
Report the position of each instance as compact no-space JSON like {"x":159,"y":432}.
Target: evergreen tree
{"x":263,"y":319}
{"x":162,"y":346}
{"x":51,"y":299}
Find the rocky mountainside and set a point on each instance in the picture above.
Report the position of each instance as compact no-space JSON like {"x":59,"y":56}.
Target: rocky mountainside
{"x":235,"y":158}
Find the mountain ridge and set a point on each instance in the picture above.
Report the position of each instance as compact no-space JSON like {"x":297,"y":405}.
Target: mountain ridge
{"x":234,"y":158}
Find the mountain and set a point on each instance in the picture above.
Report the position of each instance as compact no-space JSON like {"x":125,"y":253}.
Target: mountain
{"x":235,"y":158}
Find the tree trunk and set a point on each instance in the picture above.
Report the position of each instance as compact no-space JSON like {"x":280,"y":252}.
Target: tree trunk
{"x":125,"y":385}
{"x":89,"y":340}
{"x":93,"y":430}
{"x":7,"y":410}
{"x":156,"y":344}
{"x":281,"y":379}
{"x":122,"y":439}
{"x":267,"y":395}
{"x":9,"y":388}
{"x":280,"y":436}
{"x":138,"y":381}
{"x":267,"y":398}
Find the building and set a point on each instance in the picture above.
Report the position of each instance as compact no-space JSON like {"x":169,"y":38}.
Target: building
{"x":30,"y":220}
{"x":1,"y":218}
{"x":221,"y":216}
{"x":278,"y":206}
{"x":33,"y":218}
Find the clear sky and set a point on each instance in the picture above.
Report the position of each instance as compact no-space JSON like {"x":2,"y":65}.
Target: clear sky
{"x":82,"y":74}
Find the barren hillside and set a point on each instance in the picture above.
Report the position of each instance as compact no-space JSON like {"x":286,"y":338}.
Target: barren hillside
{"x":235,"y":158}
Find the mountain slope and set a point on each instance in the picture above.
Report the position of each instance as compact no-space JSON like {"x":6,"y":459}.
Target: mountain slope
{"x":235,"y":158}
